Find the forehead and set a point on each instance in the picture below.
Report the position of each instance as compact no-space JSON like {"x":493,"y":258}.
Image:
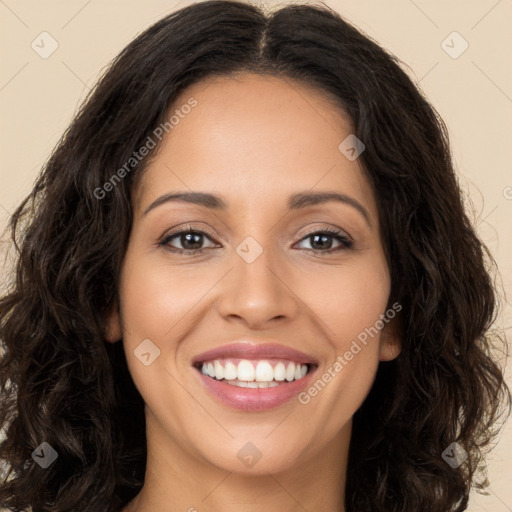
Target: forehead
{"x":254,"y":139}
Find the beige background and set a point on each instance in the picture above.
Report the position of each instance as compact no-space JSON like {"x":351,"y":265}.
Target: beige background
{"x":473,"y":93}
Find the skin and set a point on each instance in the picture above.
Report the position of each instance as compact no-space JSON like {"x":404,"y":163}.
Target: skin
{"x":254,"y":140}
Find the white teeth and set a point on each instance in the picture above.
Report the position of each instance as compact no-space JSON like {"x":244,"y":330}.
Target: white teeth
{"x":229,"y":371}
{"x":242,"y":384}
{"x":290,"y":372}
{"x":280,"y":372}
{"x":251,"y":374}
{"x":245,"y":370}
{"x":219,"y":370}
{"x":264,"y":372}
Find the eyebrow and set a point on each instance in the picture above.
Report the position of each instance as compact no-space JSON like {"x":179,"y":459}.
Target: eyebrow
{"x":295,"y":201}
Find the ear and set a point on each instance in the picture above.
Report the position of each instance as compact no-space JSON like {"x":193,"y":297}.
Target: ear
{"x":113,"y":325}
{"x":390,"y":340}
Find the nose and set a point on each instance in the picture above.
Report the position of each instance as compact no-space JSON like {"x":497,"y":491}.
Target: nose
{"x":258,"y":293}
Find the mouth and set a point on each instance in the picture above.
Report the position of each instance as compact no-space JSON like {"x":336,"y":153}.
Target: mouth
{"x":254,"y":374}
{"x":254,"y":377}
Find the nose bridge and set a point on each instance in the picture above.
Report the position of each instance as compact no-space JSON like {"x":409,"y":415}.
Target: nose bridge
{"x":254,"y":290}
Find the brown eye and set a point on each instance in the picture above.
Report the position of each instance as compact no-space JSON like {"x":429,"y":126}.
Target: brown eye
{"x":191,"y":241}
{"x":322,"y":241}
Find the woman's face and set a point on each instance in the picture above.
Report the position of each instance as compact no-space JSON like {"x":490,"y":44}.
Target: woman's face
{"x":256,"y":144}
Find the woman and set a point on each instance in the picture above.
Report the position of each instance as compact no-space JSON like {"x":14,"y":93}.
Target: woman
{"x":246,"y":281}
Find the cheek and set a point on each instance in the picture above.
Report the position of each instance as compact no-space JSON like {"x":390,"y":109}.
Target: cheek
{"x":344,"y":382}
{"x":157,"y":303}
{"x":349,"y":301}
{"x":156,"y":299}
{"x":161,"y":303}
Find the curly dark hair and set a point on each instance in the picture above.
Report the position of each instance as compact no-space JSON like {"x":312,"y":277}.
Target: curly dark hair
{"x":60,"y":382}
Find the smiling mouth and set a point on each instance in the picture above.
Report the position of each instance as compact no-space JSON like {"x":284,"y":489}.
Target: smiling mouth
{"x":248,"y":373}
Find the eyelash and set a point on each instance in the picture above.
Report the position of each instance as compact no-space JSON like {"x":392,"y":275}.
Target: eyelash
{"x":334,"y":233}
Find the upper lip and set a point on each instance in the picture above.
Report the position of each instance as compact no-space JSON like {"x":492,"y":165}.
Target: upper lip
{"x":253,"y":350}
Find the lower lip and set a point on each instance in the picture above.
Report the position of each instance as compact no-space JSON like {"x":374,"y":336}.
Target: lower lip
{"x":254,"y":399}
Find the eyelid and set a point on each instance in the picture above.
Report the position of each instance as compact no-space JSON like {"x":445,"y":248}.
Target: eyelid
{"x":338,"y":234}
{"x":345,"y":240}
{"x":185,"y":227}
{"x":331,"y":229}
